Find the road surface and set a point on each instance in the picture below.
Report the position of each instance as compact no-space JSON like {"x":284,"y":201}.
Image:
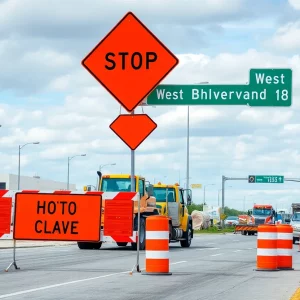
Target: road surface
{"x":214,"y":267}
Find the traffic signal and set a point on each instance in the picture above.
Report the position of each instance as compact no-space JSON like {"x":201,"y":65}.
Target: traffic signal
{"x":251,"y":178}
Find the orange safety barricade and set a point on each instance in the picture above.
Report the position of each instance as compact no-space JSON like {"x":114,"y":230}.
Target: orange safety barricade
{"x":284,"y":247}
{"x":157,"y":246}
{"x":267,"y":248}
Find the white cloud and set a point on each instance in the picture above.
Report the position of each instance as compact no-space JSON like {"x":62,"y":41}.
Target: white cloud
{"x":66,"y":109}
{"x":256,"y":116}
{"x":286,"y":37}
{"x":295,"y":4}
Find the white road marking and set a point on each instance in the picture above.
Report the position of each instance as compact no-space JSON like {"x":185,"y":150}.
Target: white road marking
{"x":250,"y":248}
{"x":213,"y":248}
{"x":178,"y":262}
{"x":217,"y":254}
{"x":200,"y":249}
{"x":58,"y":285}
{"x":237,"y":250}
{"x":71,"y":282}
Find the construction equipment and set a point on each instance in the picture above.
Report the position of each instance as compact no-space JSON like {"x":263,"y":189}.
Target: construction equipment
{"x":170,"y":202}
{"x":259,"y":214}
{"x":122,"y":183}
{"x":295,"y":221}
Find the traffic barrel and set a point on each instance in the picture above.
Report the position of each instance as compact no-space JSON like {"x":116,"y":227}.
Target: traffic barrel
{"x":157,"y":246}
{"x":267,"y":248}
{"x":284,"y":247}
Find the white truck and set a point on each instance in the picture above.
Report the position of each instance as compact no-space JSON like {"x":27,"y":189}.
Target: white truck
{"x":295,"y":221}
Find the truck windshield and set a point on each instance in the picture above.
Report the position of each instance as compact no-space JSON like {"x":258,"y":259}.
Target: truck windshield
{"x":296,"y":217}
{"x":262,"y":212}
{"x":116,"y":185}
{"x":160,"y":194}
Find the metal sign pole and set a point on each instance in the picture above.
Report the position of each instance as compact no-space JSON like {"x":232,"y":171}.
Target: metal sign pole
{"x":133,"y":189}
{"x":223,"y":198}
{"x":14,"y":263}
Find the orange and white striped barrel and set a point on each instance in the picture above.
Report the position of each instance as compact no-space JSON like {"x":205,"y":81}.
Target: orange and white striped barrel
{"x":285,"y":247}
{"x":157,"y":245}
{"x":267,"y":248}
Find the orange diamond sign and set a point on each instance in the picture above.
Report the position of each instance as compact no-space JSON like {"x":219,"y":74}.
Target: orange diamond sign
{"x":130,"y":62}
{"x":133,"y":129}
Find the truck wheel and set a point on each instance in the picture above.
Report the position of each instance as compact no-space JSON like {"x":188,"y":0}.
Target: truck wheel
{"x":294,"y":240}
{"x":142,"y":237}
{"x":97,"y":245}
{"x":122,"y":244}
{"x":89,"y":246}
{"x":188,"y":238}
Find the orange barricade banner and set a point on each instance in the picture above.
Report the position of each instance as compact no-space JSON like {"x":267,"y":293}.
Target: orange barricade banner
{"x":57,"y":217}
{"x":6,"y":212}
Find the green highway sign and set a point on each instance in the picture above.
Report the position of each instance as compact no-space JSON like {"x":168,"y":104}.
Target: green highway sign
{"x":267,"y":87}
{"x":265,"y":179}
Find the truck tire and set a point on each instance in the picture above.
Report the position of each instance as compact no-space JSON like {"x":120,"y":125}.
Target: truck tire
{"x":294,"y":240}
{"x":188,"y":237}
{"x":122,"y":244}
{"x":142,"y":237}
{"x":97,"y":245}
{"x":89,"y":246}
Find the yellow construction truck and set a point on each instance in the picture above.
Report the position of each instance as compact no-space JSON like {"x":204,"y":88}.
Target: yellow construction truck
{"x":170,"y":202}
{"x":122,"y":183}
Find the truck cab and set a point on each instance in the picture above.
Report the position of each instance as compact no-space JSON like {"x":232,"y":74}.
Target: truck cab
{"x":122,"y":183}
{"x":262,"y":214}
{"x":295,"y":222}
{"x":170,"y":202}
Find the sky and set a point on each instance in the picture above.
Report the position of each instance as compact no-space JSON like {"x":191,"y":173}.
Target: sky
{"x":47,"y":96}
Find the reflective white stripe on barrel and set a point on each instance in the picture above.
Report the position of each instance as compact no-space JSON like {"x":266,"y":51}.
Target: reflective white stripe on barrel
{"x":284,"y":252}
{"x":266,"y":252}
{"x":267,"y":235}
{"x":284,"y":236}
{"x":157,"y":235}
{"x":157,"y":254}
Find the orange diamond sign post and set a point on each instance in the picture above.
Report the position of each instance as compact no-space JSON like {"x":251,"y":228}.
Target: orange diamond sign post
{"x":124,"y":125}
{"x":129,"y":62}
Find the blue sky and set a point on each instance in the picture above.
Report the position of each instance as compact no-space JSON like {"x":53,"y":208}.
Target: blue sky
{"x":46,"y":95}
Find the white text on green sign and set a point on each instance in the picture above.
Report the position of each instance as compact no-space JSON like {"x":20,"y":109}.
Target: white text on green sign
{"x":267,"y":87}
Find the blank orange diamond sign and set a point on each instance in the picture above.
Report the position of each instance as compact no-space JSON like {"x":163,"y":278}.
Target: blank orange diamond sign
{"x":133,"y":129}
{"x":130,"y":62}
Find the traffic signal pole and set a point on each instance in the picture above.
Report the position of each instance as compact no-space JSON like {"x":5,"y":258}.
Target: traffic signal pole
{"x":224,"y":179}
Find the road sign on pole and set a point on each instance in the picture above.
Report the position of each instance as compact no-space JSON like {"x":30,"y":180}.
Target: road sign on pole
{"x":133,"y":129}
{"x":130,"y":61}
{"x":266,"y":179}
{"x":267,"y":87}
{"x":196,"y":186}
{"x":57,"y":217}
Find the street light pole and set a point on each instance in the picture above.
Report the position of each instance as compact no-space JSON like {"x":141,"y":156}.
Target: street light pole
{"x":100,"y":168}
{"x":19,"y":168}
{"x":188,"y":151}
{"x":188,"y":146}
{"x":204,"y":194}
{"x":19,"y":164}
{"x":69,"y":158}
{"x":14,"y":263}
{"x":219,"y":194}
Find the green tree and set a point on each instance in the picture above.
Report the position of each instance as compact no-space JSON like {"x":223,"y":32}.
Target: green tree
{"x":233,"y":212}
{"x":194,"y":206}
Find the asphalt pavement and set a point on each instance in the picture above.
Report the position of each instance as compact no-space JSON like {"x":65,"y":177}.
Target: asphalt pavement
{"x":218,"y":266}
